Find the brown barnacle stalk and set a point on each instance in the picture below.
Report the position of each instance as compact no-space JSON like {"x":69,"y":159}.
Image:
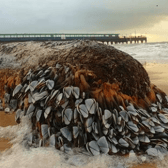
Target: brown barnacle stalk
{"x":151,"y":94}
{"x":82,"y":78}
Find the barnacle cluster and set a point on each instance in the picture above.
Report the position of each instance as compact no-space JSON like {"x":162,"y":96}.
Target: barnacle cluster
{"x":103,"y":102}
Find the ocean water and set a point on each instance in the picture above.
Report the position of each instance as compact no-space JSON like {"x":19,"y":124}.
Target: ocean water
{"x":146,"y":52}
{"x":47,"y":157}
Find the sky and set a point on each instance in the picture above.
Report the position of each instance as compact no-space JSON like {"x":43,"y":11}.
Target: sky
{"x":126,"y":17}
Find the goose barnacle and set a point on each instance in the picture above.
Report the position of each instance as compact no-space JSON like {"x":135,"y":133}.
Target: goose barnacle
{"x":85,"y":103}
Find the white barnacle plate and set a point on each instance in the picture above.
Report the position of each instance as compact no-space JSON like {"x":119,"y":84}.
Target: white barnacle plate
{"x":159,"y":129}
{"x":124,"y":115}
{"x":47,"y":111}
{"x":54,"y":93}
{"x":111,"y":132}
{"x":83,"y":110}
{"x":93,"y":148}
{"x":166,"y":97}
{"x":105,"y":122}
{"x":41,"y":83}
{"x":114,"y":119}
{"x":95,"y":128}
{"x":107,"y":114}
{"x":145,"y":123}
{"x":159,"y":105}
{"x":153,"y":109}
{"x":151,"y":123}
{"x":67,"y":149}
{"x":30,"y":138}
{"x":159,"y":97}
{"x":30,"y":109}
{"x":119,"y":127}
{"x":13,"y":104}
{"x":65,"y":103}
{"x":103,"y":145}
{"x":47,"y":99}
{"x":76,"y":92}
{"x":163,"y":118}
{"x":58,"y":66}
{"x":44,"y":130}
{"x":7,"y":97}
{"x":135,"y":140}
{"x":68,"y":114}
{"x":78,"y":101}
{"x":83,"y":95}
{"x":30,"y":98}
{"x":33,"y":85}
{"x":66,"y":69}
{"x":161,"y":148}
{"x":123,"y":143}
{"x":134,"y":113}
{"x":113,"y":148}
{"x":135,"y":119}
{"x":59,"y":98}
{"x":105,"y":130}
{"x":95,"y":136}
{"x":131,"y":143}
{"x":38,"y":115}
{"x":50,"y":84}
{"x":38,"y":96}
{"x":88,"y":124}
{"x":143,"y":112}
{"x":18,"y":114}
{"x":144,"y":138}
{"x":66,"y":133}
{"x":152,"y":130}
{"x":90,"y":105}
{"x":17,"y":89}
{"x":132,"y":126}
{"x":47,"y":71}
{"x":75,"y":131}
{"x":56,"y":77}
{"x":152,"y":152}
{"x":119,"y":120}
{"x":39,"y":73}
{"x":114,"y":140}
{"x":116,"y":113}
{"x":131,"y":108}
{"x":155,"y":120}
{"x":60,"y":141}
{"x":67,"y":91}
{"x":52,"y":140}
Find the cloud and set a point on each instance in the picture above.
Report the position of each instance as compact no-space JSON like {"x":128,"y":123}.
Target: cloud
{"x":35,"y":16}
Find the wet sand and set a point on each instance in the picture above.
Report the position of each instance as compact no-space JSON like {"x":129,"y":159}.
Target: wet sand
{"x":145,"y":165}
{"x":6,"y":120}
{"x":158,"y":74}
{"x":4,"y":144}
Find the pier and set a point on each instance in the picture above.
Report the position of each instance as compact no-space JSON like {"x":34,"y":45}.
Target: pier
{"x":104,"y":38}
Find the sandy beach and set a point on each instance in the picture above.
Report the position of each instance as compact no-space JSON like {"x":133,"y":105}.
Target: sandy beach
{"x":158,"y":74}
